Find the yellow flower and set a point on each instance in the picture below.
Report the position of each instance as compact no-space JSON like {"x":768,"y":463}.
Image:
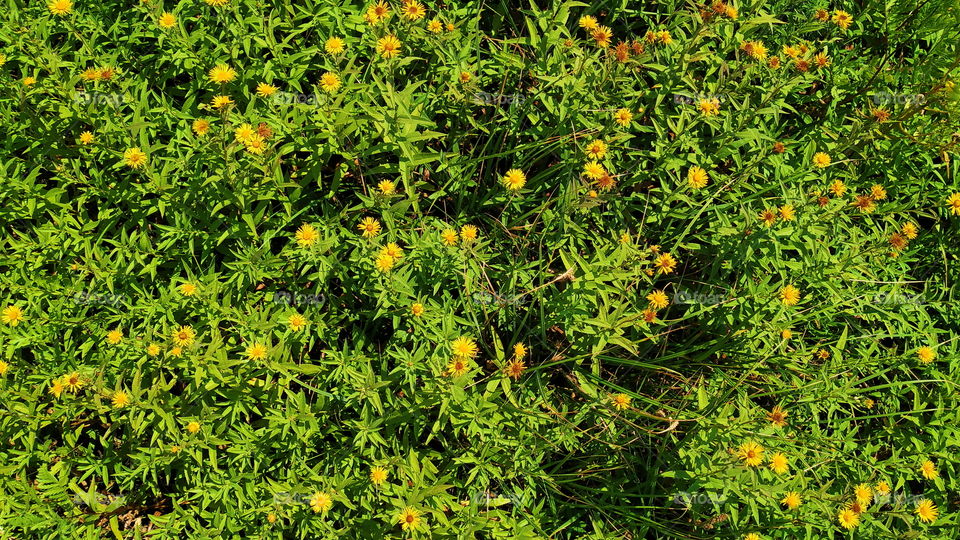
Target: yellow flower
{"x":792,"y":500}
{"x":256,"y":144}
{"x":464,"y":347}
{"x":458,"y":367}
{"x":378,"y":12}
{"x":752,"y":536}
{"x":842,"y":19}
{"x":243,"y":133}
{"x":335,"y":45}
{"x":86,"y":138}
{"x":11,"y":315}
{"x":387,"y":187}
{"x":596,"y":149}
{"x":664,"y":37}
{"x":883,"y":488}
{"x":378,"y":475}
{"x":787,"y":212}
{"x":751,"y":453}
{"x":329,"y":82}
{"x":183,"y":336}
{"x":602,"y":35}
{"x":193,"y":427}
{"x":120,"y":399}
{"x":778,"y":416}
{"x":515,"y":368}
{"x":216,"y":3}
{"x":388,"y":46}
{"x":176,"y":352}
{"x":697,"y":178}
{"x":256,"y":351}
{"x":201,"y":126}
{"x":658,"y":299}
{"x":927,"y":511}
{"x":409,"y":519}
{"x":449,"y":237}
{"x":821,"y":160}
{"x":297,"y":322}
{"x":392,"y":250}
{"x":29,"y":81}
{"x":134,"y":157}
{"x":926,"y":354}
{"x":56,"y":388}
{"x":114,"y":336}
{"x":413,"y":10}
{"x":222,"y":74}
{"x":515,"y":179}
{"x":187,"y":289}
{"x":220,"y":102}
{"x":821,"y":15}
{"x":384,"y":262}
{"x":153,"y":349}
{"x":768,"y":217}
{"x":266,"y":90}
{"x":929,"y":470}
{"x":519,"y":351}
{"x":588,"y":22}
{"x":863,"y":494}
{"x":306,"y":235}
{"x":435,"y":26}
{"x":468,"y":233}
{"x":623,"y":117}
{"x":60,"y":7}
{"x":620,"y":401}
{"x":4,"y":367}
{"x":369,"y":226}
{"x":72,"y":382}
{"x":417,"y":309}
{"x":953,"y":202}
{"x":909,"y":230}
{"x":789,"y":295}
{"x":709,"y":107}
{"x":848,"y":519}
{"x":779,"y":463}
{"x":593,"y":170}
{"x":167,"y":20}
{"x":838,"y":188}
{"x":665,"y":263}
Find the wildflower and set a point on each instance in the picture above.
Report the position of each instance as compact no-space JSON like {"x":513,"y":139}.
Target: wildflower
{"x":329,"y":82}
{"x":464,"y":347}
{"x":306,"y":235}
{"x":752,"y":536}
{"x":658,"y":299}
{"x":256,"y":144}
{"x":56,"y":388}
{"x":134,"y":157}
{"x":838,"y":188}
{"x":468,"y":233}
{"x":334,"y":45}
{"x":664,"y":37}
{"x":388,"y":46}
{"x":243,"y":133}
{"x":822,"y":15}
{"x":458,"y":367}
{"x":821,"y":160}
{"x":606,"y":182}
{"x":801,"y":65}
{"x":842,"y":19}
{"x":515,"y":368}
{"x":120,"y":399}
{"x":114,"y":336}
{"x":216,"y":3}
{"x":392,"y":250}
{"x":176,"y":352}
{"x":665,"y":263}
{"x":926,"y":511}
{"x":880,"y":114}
{"x":167,"y":20}
{"x":265,"y":90}
{"x":4,"y":367}
{"x":321,"y":502}
{"x":864,"y":203}
{"x":515,"y":179}
{"x":789,"y":295}
{"x":588,"y":22}
{"x":175,"y":449}
{"x":153,"y":349}
{"x":779,"y":463}
{"x":848,"y":519}
{"x":778,"y":416}
{"x":387,"y":187}
{"x":823,"y":354}
{"x":11,"y":315}
{"x":256,"y":351}
{"x":435,"y":26}
{"x":926,"y":354}
{"x":792,"y":500}
{"x":601,"y":35}
{"x":877,"y":192}
{"x":413,"y":10}
{"x":623,"y":117}
{"x":184,"y":336}
{"x":449,"y":237}
{"x":384,"y":262}
{"x":378,"y":12}
{"x":863,"y":494}
{"x":72,"y":382}
{"x":519,"y":351}
{"x":222,"y":74}
{"x":620,"y":401}
{"x":409,"y":519}
{"x":297,"y":322}
{"x":187,"y":289}
{"x":220,"y":102}
{"x":909,"y":230}
{"x":596,"y":149}
{"x":758,"y":51}
{"x":60,"y":7}
{"x":86,"y":138}
{"x":787,"y":212}
{"x":709,"y":107}
{"x":593,"y":170}
{"x":417,"y":309}
{"x":625,"y":238}
{"x":768,"y":217}
{"x":883,"y":488}
{"x":953,"y":202}
{"x":90,"y":74}
{"x":29,"y":81}
{"x":929,"y":470}
{"x":697,"y":178}
{"x":369,"y":226}
{"x":378,"y":475}
{"x":774,"y":62}
{"x":751,"y":453}
{"x":201,"y":126}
